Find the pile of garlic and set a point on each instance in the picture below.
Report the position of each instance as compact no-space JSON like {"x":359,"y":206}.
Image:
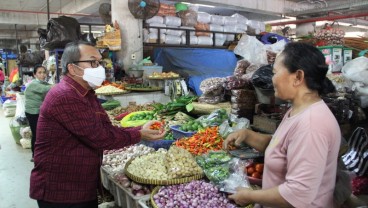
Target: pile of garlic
{"x":114,"y":160}
{"x":151,"y":166}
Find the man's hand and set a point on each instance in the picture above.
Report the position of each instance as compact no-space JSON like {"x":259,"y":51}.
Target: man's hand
{"x":149,"y":134}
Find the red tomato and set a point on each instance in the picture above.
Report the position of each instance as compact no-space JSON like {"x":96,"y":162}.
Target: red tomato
{"x":259,"y":168}
{"x":256,"y":175}
{"x":250,"y":170}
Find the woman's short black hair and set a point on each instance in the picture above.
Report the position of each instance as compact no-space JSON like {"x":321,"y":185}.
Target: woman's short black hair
{"x":37,"y":66}
{"x":303,"y":56}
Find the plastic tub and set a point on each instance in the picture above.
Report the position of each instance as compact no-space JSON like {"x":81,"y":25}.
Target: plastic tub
{"x":178,"y":134}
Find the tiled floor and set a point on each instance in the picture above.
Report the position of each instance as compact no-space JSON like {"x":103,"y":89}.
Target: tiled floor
{"x":15,"y":169}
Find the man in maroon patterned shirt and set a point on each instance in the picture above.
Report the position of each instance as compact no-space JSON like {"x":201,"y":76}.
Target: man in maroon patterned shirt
{"x":73,"y":130}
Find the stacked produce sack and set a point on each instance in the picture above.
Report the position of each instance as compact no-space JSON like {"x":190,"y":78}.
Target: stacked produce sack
{"x":213,"y":90}
{"x":243,"y":97}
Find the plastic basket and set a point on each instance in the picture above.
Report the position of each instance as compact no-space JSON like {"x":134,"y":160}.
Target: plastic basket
{"x":145,"y":203}
{"x":178,"y":134}
{"x":158,"y":144}
{"x":104,"y":178}
{"x":124,"y":198}
{"x":4,"y":98}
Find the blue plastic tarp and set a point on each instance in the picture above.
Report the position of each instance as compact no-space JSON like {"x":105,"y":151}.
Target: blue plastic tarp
{"x":196,"y":64}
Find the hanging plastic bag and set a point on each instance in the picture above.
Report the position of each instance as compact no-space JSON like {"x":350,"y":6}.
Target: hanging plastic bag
{"x":262,"y":78}
{"x":20,"y":112}
{"x":62,"y":30}
{"x":356,"y":70}
{"x":251,"y":49}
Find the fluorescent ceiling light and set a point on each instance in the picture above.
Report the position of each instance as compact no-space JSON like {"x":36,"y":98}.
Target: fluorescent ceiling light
{"x":354,"y":34}
{"x":202,"y":5}
{"x":286,"y":19}
{"x":97,"y":32}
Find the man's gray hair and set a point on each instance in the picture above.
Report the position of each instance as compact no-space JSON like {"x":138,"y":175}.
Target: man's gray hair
{"x":71,"y":54}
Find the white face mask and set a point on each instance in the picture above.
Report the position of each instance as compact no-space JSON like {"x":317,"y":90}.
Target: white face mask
{"x":94,"y":76}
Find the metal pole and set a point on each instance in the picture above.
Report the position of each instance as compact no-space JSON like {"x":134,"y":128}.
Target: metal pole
{"x":48,"y":10}
{"x":16,"y":38}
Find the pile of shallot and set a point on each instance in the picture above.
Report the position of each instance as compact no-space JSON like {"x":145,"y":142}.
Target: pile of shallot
{"x":196,"y":194}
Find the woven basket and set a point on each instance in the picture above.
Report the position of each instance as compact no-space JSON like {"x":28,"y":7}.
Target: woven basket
{"x":159,"y":182}
{"x":205,"y":109}
{"x":157,"y":188}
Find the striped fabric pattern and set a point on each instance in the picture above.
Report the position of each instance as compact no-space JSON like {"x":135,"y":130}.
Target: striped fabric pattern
{"x":356,"y":158}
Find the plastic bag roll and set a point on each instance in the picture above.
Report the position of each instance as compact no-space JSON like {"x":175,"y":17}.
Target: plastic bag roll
{"x":189,"y":28}
{"x":174,"y":32}
{"x":219,"y":41}
{"x":230,"y":37}
{"x":217,"y":19}
{"x":214,"y":27}
{"x":155,"y":19}
{"x":230,"y":21}
{"x":230,"y":28}
{"x":219,"y":36}
{"x":204,"y":17}
{"x":172,"y":21}
{"x":240,"y":18}
{"x":204,"y":40}
{"x":154,"y":30}
{"x":172,"y":39}
{"x":193,"y":40}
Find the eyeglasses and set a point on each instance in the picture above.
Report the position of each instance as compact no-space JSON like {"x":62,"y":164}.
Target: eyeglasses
{"x":94,"y":63}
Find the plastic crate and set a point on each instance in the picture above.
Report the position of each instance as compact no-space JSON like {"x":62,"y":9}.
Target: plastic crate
{"x":4,"y":98}
{"x":104,"y":178}
{"x":124,"y":198}
{"x":145,"y":203}
{"x":178,"y":134}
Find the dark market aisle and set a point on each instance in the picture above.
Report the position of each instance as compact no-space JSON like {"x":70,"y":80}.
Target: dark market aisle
{"x":15,"y":169}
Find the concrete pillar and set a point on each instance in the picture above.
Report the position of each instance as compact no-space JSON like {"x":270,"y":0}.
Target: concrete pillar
{"x":131,"y":32}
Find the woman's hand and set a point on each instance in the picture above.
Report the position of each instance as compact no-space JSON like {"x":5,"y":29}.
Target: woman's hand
{"x":149,"y":134}
{"x":236,"y":138}
{"x":242,"y":196}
